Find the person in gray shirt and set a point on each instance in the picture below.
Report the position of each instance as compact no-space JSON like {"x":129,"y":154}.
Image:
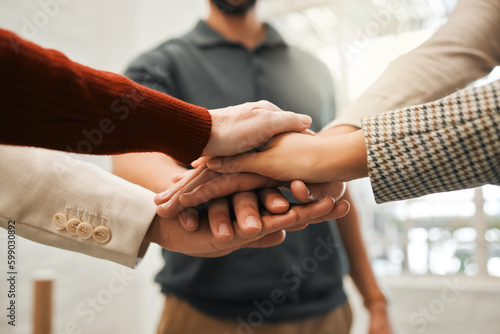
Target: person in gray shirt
{"x":295,"y":287}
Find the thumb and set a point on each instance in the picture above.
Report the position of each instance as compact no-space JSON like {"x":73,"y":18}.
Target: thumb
{"x":248,"y":162}
{"x":287,"y":121}
{"x":301,"y":192}
{"x":200,"y":161}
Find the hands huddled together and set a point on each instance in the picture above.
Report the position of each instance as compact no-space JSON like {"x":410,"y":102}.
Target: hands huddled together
{"x":232,"y":198}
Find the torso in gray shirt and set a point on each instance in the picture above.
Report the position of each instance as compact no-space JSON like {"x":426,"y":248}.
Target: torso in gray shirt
{"x":306,"y":270}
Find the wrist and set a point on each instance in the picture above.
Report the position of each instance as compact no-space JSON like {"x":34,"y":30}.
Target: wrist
{"x":152,"y":233}
{"x":358,"y":158}
{"x":375,"y":301}
{"x":149,"y":238}
{"x":344,"y":156}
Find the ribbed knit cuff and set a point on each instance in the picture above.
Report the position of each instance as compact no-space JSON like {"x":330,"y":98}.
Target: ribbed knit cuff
{"x":165,"y":124}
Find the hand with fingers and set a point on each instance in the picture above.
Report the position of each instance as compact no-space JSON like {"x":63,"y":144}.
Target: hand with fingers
{"x":299,"y":156}
{"x":321,"y":202}
{"x":247,"y":126}
{"x":201,"y":185}
{"x":217,"y":235}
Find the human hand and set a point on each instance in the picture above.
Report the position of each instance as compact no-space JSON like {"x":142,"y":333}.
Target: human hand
{"x":379,"y":318}
{"x":294,"y":156}
{"x":311,"y":192}
{"x":248,"y":218}
{"x":246,"y":210}
{"x":245,"y":203}
{"x":247,"y":126}
{"x":170,"y":234}
{"x":202,"y":185}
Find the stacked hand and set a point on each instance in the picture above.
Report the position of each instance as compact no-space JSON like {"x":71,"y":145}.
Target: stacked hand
{"x":212,"y":232}
{"x":242,"y":205}
{"x":247,"y":126}
{"x":311,"y":167}
{"x":293,"y":156}
{"x":254,"y":225}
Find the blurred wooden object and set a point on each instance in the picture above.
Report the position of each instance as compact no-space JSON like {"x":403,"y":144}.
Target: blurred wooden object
{"x":42,"y":306}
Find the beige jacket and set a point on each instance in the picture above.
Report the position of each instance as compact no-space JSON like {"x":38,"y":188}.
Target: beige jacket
{"x":37,"y":184}
{"x":428,"y":148}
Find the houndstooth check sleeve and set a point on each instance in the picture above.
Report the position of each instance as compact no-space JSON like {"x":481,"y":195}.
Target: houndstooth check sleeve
{"x":449,"y":144}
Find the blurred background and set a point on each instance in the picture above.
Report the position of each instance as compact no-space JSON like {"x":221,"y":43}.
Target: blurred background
{"x":444,"y":244}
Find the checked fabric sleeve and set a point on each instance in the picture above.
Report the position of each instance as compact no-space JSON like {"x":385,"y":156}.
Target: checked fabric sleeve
{"x":450,"y":144}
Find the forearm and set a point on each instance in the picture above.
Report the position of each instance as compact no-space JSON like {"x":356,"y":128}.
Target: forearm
{"x":150,"y":170}
{"x":49,"y":101}
{"x":361,"y":270}
{"x":346,"y":157}
{"x":57,"y":181}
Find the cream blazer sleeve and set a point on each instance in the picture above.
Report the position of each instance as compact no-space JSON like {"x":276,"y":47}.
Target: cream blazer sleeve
{"x":43,"y":190}
{"x":464,"y":49}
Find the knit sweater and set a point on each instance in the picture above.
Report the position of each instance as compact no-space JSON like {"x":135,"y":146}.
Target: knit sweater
{"x":49,"y":101}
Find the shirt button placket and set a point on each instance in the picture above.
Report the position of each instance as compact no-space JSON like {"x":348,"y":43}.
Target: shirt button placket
{"x":254,"y":69}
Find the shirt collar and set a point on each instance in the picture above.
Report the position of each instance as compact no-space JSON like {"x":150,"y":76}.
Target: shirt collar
{"x":204,"y":36}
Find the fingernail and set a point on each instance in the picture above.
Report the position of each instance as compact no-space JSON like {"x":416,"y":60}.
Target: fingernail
{"x":164,"y":194}
{"x":327,"y":198}
{"x":190,"y":221}
{"x":308,"y":192}
{"x":280,"y":202}
{"x":224,"y":229}
{"x":306,"y":120}
{"x":252,"y":221}
{"x":215,"y":164}
{"x":166,"y":204}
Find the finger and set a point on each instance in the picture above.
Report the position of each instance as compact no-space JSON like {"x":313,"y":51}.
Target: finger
{"x":270,"y":240}
{"x":220,"y":220}
{"x":273,"y":200}
{"x":248,"y":162}
{"x":287,"y":121}
{"x":246,"y":209}
{"x":342,"y":190}
{"x":310,"y":192}
{"x":301,"y":192}
{"x":225,"y":185}
{"x":173,"y":205}
{"x":167,"y":194}
{"x":309,"y":132}
{"x":200,"y":161}
{"x":273,"y":223}
{"x":309,"y":213}
{"x":340,"y":210}
{"x":189,"y":219}
{"x":177,"y":177}
{"x":296,"y":228}
{"x":332,"y":189}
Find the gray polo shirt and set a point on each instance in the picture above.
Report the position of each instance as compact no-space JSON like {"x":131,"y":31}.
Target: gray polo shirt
{"x":302,"y":277}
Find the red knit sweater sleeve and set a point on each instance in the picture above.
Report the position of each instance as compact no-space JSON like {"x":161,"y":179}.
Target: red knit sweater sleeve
{"x":46,"y":100}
